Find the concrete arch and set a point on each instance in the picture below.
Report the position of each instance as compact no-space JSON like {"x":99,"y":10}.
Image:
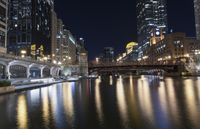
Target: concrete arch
{"x":19,"y":65}
{"x":35,"y":70}
{"x":45,"y":71}
{"x":18,"y":71}
{"x":55,"y":71}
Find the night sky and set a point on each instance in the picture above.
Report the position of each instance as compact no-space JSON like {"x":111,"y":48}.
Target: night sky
{"x":112,"y":23}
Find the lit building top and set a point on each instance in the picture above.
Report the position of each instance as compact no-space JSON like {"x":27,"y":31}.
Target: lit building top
{"x":151,"y":21}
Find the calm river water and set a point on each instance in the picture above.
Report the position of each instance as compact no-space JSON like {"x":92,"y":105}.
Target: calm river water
{"x":106,"y":103}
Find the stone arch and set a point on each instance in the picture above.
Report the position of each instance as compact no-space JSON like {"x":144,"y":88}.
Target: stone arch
{"x":46,"y":71}
{"x":18,"y":69}
{"x":35,"y":70}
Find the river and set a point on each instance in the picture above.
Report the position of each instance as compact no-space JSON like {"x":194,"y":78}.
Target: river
{"x":126,"y":102}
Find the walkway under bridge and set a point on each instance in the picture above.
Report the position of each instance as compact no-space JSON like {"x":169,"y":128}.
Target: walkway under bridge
{"x":16,"y":67}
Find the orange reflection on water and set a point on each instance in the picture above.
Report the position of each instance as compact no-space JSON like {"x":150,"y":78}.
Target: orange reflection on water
{"x":198,"y":89}
{"x":191,"y":102}
{"x":68,"y":101}
{"x":111,"y":80}
{"x":172,"y":100}
{"x":98,"y":99}
{"x":54,"y":103}
{"x":45,"y":106}
{"x":22,"y":114}
{"x":121,"y":101}
{"x":163,"y":98}
{"x":144,"y":96}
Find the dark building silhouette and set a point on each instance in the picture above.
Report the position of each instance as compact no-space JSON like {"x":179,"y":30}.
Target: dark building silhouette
{"x":30,"y":27}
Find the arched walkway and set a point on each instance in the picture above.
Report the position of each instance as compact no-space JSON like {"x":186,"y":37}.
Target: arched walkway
{"x":18,"y":71}
{"x":46,"y":72}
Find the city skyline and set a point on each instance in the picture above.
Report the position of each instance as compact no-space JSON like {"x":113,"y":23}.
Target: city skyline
{"x":115,"y":24}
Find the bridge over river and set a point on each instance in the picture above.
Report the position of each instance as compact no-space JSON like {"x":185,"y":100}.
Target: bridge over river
{"x":18,"y":67}
{"x":135,"y":67}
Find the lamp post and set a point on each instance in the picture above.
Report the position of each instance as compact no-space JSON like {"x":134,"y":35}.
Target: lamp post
{"x":23,"y":53}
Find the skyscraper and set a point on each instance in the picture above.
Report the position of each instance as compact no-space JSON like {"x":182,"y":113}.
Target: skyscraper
{"x":151,"y":23}
{"x":30,"y":27}
{"x":197,"y":17}
{"x":3,"y":25}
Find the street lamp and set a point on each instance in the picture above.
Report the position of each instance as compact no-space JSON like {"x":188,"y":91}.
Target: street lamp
{"x":23,"y":53}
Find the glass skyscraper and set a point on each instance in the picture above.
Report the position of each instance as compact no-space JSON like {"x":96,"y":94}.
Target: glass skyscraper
{"x":151,"y":23}
{"x":30,"y":26}
{"x":197,"y":17}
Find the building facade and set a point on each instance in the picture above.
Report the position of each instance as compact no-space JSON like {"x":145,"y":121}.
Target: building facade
{"x":151,"y":22}
{"x":175,"y":48}
{"x":3,"y":25}
{"x":108,"y":55}
{"x":66,"y":45}
{"x":197,"y":17}
{"x":30,"y":27}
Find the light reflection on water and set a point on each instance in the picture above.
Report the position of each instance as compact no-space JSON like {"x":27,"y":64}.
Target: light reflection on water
{"x":22,"y":115}
{"x":191,"y":102}
{"x":45,"y":106}
{"x":145,"y":101}
{"x":121,"y":101}
{"x":98,"y":100}
{"x":127,"y":102}
{"x":68,"y":102}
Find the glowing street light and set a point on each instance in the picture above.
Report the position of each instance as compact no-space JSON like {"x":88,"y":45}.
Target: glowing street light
{"x":59,"y":63}
{"x":97,"y":60}
{"x":55,"y":62}
{"x":23,"y":53}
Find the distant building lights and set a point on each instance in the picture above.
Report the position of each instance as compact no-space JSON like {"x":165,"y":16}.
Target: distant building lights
{"x":145,"y":57}
{"x":55,"y":62}
{"x":186,"y":55}
{"x":59,"y":63}
{"x":71,"y":39}
{"x":97,"y":60}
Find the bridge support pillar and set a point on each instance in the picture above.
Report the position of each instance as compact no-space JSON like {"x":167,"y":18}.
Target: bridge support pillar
{"x":7,"y":71}
{"x":42,"y":72}
{"x":28,"y":74}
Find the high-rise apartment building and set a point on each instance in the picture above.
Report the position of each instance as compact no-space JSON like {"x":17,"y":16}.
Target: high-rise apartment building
{"x":66,"y":45}
{"x":197,"y":17}
{"x":3,"y":25}
{"x":30,"y":27}
{"x":151,"y":23}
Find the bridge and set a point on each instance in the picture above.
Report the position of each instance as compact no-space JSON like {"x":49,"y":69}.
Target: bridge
{"x":134,"y":67}
{"x":17,"y":67}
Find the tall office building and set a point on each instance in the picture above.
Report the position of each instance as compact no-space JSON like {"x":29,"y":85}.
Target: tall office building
{"x":197,"y":17}
{"x":108,"y":55}
{"x":151,"y":23}
{"x":53,"y":35}
{"x":30,"y":27}
{"x":3,"y":25}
